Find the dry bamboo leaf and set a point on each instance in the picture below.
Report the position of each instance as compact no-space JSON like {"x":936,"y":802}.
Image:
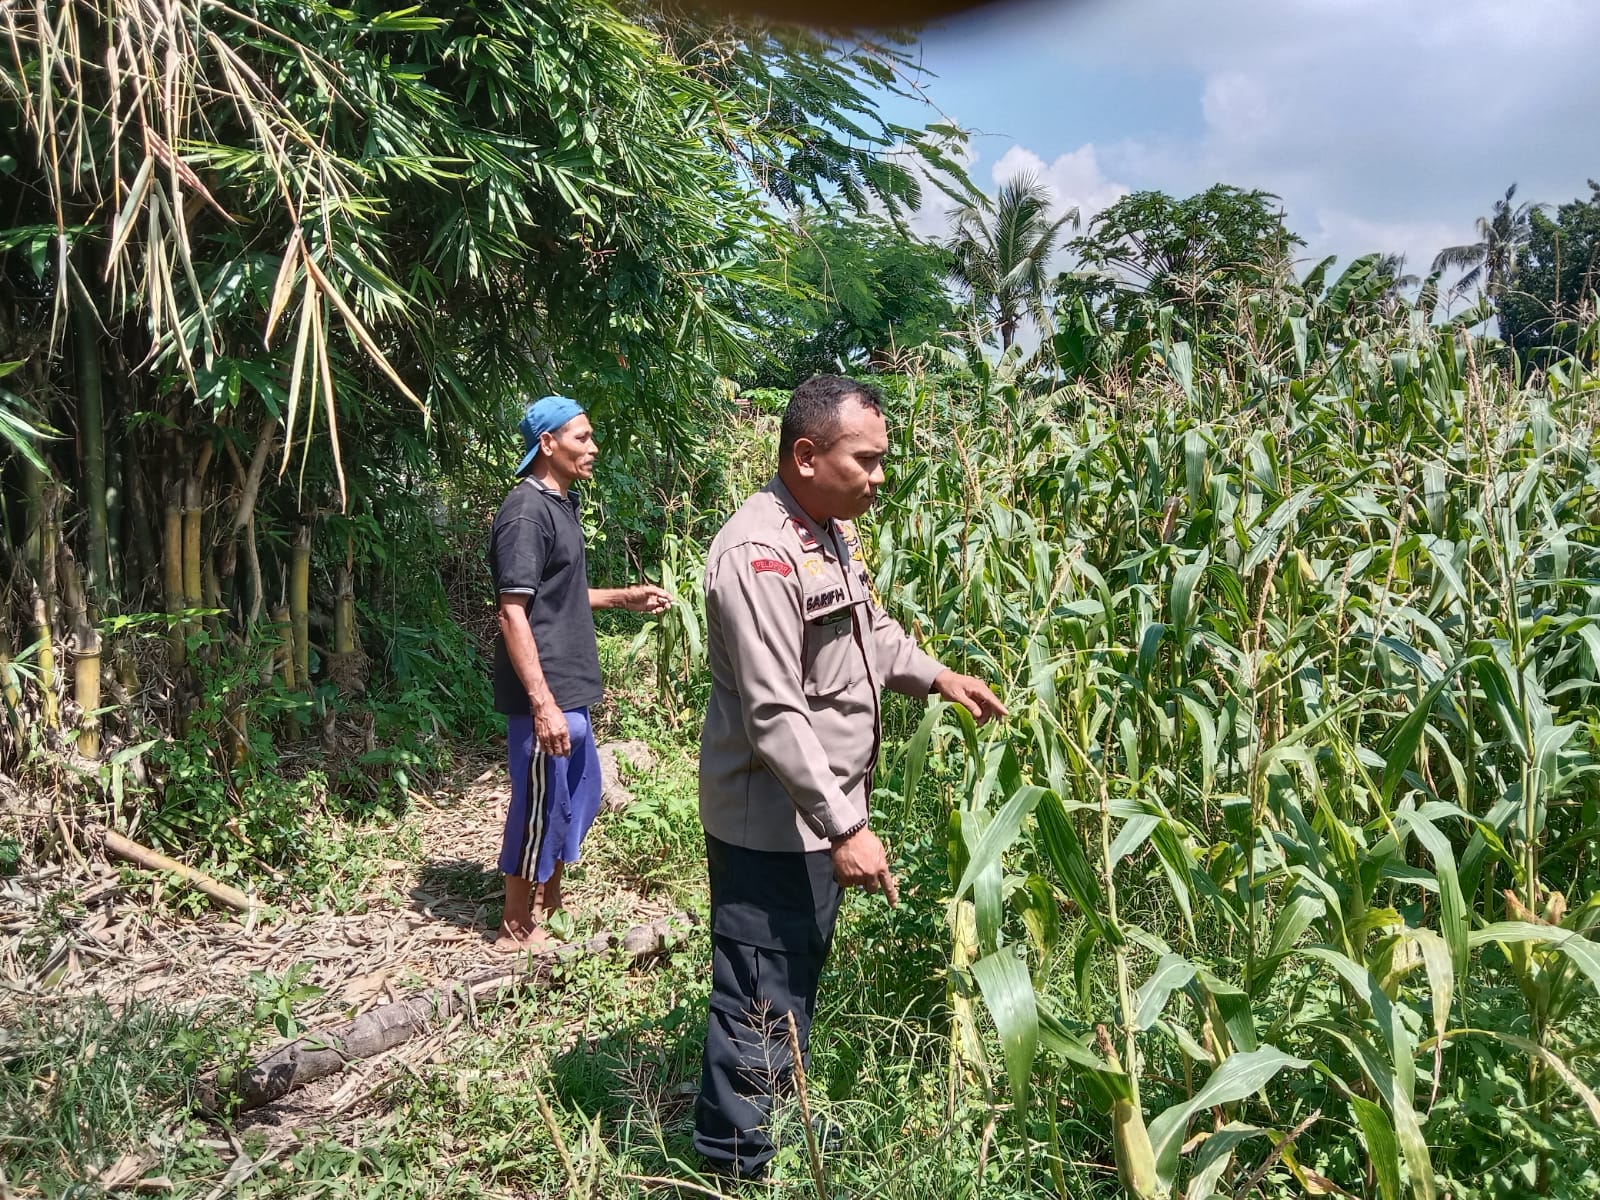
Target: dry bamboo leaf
{"x":282,"y":285}
{"x":122,"y":228}
{"x":361,"y":334}
{"x":296,"y":371}
{"x":186,"y":173}
{"x":326,"y":369}
{"x":124,"y":1171}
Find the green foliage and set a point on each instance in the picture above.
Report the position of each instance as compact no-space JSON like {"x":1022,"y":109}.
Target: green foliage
{"x":861,"y":293}
{"x":1294,"y":647}
{"x":1000,"y":253}
{"x":1150,"y":250}
{"x":1491,"y":262}
{"x":81,"y":1084}
{"x":1557,"y":279}
{"x":276,"y":999}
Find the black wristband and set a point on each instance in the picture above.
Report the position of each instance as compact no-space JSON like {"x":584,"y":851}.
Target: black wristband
{"x":849,"y":833}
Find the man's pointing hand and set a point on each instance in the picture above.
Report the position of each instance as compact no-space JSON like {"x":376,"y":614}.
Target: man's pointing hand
{"x":860,"y":861}
{"x":982,"y":703}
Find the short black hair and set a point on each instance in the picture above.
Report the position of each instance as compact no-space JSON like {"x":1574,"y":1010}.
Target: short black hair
{"x":814,"y":406}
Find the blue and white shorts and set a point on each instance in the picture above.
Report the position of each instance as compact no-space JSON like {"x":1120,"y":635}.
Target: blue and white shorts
{"x":553,"y":800}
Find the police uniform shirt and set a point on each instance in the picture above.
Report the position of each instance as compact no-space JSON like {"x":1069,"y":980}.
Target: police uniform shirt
{"x":800,"y":650}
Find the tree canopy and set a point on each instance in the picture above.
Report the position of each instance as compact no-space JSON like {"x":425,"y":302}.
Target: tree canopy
{"x":1557,"y":277}
{"x":859,"y":290}
{"x":1001,"y":252}
{"x":1154,"y":249}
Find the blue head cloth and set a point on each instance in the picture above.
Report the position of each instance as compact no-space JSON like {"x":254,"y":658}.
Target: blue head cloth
{"x":544,"y":416}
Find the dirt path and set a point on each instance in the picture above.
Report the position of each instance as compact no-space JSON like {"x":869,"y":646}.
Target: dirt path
{"x":421,"y":920}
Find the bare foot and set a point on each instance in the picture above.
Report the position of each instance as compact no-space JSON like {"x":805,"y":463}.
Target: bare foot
{"x":529,"y":941}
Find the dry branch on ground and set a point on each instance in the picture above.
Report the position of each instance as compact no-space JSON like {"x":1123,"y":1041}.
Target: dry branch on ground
{"x":317,"y":1055}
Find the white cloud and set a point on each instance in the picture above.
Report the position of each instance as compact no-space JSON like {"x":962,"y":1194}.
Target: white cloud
{"x":1074,"y":179}
{"x":931,"y":220}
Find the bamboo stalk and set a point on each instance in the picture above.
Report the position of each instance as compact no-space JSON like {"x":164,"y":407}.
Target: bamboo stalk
{"x":85,"y":652}
{"x":92,"y":440}
{"x":44,"y":602}
{"x":344,"y":609}
{"x":193,"y":595}
{"x":33,"y":498}
{"x":86,"y":688}
{"x":172,"y":573}
{"x":300,"y":601}
{"x":8,"y":688}
{"x":282,"y":625}
{"x":153,"y":860}
{"x":193,"y":492}
{"x":253,"y":556}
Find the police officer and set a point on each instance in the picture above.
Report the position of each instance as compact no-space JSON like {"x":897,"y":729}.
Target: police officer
{"x":800,"y":649}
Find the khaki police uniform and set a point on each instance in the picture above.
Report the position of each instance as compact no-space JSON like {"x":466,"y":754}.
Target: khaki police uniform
{"x":800,"y":649}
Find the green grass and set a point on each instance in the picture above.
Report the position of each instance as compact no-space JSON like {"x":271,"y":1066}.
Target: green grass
{"x":614,"y":1053}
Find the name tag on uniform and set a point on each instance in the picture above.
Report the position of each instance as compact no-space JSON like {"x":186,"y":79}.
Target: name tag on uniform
{"x":824,"y":600}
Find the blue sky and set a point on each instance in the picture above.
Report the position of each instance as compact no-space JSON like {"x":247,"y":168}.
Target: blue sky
{"x":1383,"y":124}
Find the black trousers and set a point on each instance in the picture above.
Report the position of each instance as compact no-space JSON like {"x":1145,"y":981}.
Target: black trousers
{"x":772,"y":918}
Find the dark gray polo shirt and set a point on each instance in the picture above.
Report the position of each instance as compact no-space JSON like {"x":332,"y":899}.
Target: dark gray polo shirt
{"x":536,"y":551}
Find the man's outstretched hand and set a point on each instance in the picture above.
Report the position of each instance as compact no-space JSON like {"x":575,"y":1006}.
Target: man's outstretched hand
{"x":972,"y":692}
{"x":645,"y":598}
{"x":861,"y":861}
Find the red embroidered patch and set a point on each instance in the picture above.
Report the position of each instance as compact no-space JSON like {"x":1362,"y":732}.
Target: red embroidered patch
{"x":771,"y":564}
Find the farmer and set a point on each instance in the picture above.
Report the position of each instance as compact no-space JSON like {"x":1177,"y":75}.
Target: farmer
{"x":799,"y":647}
{"x":546,"y":664}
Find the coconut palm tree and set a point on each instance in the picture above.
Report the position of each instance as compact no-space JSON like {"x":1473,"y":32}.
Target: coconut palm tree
{"x":1491,"y":260}
{"x":1002,"y":252}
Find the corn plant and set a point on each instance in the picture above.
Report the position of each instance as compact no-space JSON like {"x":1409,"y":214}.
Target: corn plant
{"x":1298,"y":798}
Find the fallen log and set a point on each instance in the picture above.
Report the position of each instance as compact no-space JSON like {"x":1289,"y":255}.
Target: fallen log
{"x":154,"y":860}
{"x":319,"y":1054}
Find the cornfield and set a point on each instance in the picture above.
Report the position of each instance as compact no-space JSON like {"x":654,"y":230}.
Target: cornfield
{"x":1283,"y":866}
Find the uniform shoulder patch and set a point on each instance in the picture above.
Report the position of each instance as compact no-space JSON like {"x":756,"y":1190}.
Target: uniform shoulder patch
{"x":771,"y":564}
{"x":808,"y":540}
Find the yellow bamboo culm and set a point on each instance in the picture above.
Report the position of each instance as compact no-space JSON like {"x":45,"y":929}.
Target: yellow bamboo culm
{"x":172,"y":578}
{"x":193,"y":595}
{"x":300,"y":602}
{"x":44,"y":602}
{"x":85,"y":652}
{"x":45,"y":636}
{"x":8,"y":682}
{"x":283,"y":651}
{"x":86,"y":688}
